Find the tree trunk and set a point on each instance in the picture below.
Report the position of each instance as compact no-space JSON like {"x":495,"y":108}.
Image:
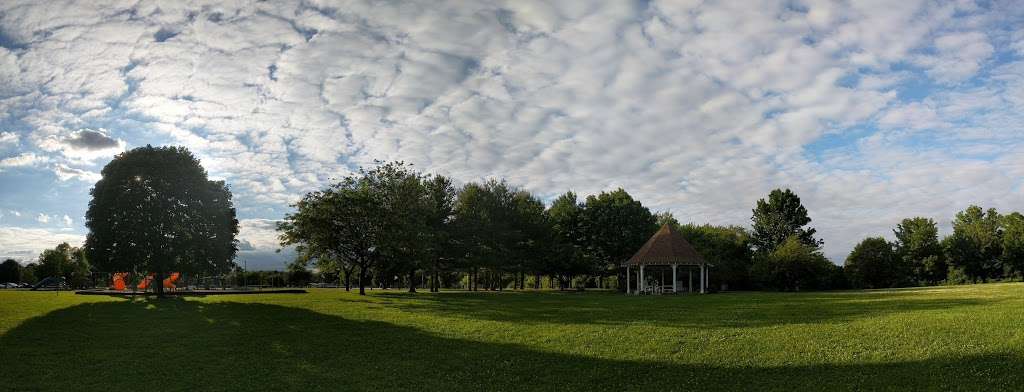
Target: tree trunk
{"x":362,"y":281}
{"x":158,"y":281}
{"x":536,"y":282}
{"x":435,"y":282}
{"x":348,"y":277}
{"x":412,"y":281}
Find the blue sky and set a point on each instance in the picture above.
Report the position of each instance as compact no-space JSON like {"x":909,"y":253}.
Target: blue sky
{"x":872,"y":111}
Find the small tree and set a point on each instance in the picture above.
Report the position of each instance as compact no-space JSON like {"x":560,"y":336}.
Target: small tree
{"x":780,"y":217}
{"x":794,"y":266}
{"x":10,"y":271}
{"x":873,"y":264}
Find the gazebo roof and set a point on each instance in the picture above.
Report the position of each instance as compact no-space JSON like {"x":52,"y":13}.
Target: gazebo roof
{"x":666,"y":247}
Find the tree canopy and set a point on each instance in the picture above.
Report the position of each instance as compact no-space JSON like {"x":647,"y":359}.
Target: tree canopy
{"x":777,"y":219}
{"x":155,"y":210}
{"x":874,"y":264}
{"x":10,"y":271}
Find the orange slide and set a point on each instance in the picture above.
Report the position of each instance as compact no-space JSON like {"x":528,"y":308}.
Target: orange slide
{"x":168,"y":283}
{"x":119,"y":281}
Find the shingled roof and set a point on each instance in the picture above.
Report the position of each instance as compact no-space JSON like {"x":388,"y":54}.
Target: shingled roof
{"x":665,"y":247}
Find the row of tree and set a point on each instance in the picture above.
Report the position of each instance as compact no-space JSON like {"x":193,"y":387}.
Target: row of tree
{"x":392,"y":225}
{"x":64,"y":261}
{"x":984,"y":246}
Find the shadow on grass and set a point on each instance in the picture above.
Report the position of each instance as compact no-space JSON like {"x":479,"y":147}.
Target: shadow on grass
{"x":190,"y":345}
{"x":720,"y":310}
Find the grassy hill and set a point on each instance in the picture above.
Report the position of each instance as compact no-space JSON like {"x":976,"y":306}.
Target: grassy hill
{"x":966,"y":337}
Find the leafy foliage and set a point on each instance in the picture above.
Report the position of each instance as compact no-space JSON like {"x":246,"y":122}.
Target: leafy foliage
{"x":976,"y":244}
{"x":614,"y":226}
{"x":727,"y":248}
{"x":780,"y":217}
{"x":917,"y":244}
{"x":10,"y":271}
{"x":874,"y":264}
{"x":67,"y":262}
{"x":155,"y":210}
{"x":795,"y":266}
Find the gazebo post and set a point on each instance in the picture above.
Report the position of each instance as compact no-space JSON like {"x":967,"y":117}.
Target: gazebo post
{"x":674,"y":279}
{"x":702,"y":268}
{"x":689,"y":288}
{"x":628,"y":291}
{"x":640,"y":285}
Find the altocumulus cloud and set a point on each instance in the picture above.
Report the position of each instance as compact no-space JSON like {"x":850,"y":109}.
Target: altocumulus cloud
{"x":871,"y":111}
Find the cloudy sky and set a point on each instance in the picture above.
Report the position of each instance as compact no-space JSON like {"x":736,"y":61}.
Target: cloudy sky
{"x":871,"y":111}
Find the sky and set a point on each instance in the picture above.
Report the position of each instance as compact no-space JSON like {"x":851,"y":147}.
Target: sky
{"x":871,"y":111}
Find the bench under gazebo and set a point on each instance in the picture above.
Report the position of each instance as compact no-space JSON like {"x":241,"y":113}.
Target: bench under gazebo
{"x":667,"y":249}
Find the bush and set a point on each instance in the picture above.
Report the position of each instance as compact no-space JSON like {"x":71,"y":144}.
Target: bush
{"x":794,"y":266}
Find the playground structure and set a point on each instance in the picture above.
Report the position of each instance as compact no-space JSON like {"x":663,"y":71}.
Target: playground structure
{"x":119,"y":281}
{"x":125,"y":284}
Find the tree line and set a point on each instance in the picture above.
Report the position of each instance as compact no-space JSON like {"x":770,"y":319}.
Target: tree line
{"x":156,"y":211}
{"x":393,"y":226}
{"x":984,"y":246}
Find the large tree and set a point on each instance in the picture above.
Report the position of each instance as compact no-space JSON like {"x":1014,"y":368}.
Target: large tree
{"x":917,"y":244}
{"x":485,"y":220}
{"x":340,"y":224}
{"x":780,"y":217}
{"x":1013,"y":244}
{"x":567,"y":258}
{"x":532,"y":242}
{"x":615,"y":226}
{"x":976,"y":244}
{"x":440,"y":243}
{"x":874,"y":264}
{"x":404,"y":207}
{"x":155,"y":210}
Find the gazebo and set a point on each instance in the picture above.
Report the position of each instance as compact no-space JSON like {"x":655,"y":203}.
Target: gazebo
{"x":666,"y":248}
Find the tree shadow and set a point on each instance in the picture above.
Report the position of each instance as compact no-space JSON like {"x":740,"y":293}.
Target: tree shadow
{"x":191,"y":345}
{"x":754,"y":309}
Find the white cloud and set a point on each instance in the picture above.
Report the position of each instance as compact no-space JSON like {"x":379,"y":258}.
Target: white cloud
{"x":25,"y":245}
{"x":8,"y":138}
{"x":701,"y":108}
{"x":43,"y":218}
{"x":65,"y":173}
{"x":259,"y":233}
{"x":67,"y":221}
{"x":23,"y":160}
{"x":959,"y":56}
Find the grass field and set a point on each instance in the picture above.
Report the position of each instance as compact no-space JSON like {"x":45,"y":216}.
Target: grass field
{"x":967,"y":337}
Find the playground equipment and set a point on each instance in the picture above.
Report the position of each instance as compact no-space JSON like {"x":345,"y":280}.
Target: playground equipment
{"x":119,"y":278}
{"x":120,"y":281}
{"x":168,"y":282}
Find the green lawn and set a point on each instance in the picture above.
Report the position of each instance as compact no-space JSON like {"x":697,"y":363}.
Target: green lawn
{"x":967,"y":337}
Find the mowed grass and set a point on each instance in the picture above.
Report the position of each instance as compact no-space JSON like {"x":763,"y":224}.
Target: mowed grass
{"x":965,"y":338}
